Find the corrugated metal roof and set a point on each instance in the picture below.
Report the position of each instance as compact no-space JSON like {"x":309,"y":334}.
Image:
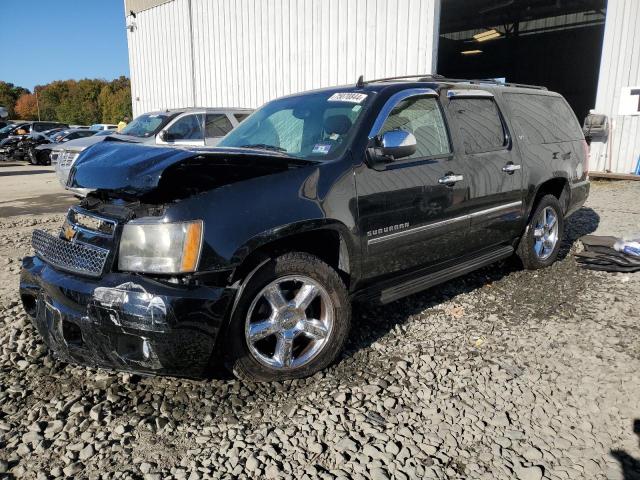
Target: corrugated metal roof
{"x":136,"y":6}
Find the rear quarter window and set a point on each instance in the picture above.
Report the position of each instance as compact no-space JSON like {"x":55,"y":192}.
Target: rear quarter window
{"x":541,"y":119}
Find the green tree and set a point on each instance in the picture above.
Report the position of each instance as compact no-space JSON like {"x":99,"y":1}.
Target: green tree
{"x":50,"y":96}
{"x":9,"y":94}
{"x":115,"y":100}
{"x":80,"y":105}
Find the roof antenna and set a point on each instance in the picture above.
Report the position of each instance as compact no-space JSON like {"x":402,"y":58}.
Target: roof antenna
{"x":360,"y":82}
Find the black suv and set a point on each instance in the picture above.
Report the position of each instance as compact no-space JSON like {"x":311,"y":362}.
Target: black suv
{"x":253,"y":251}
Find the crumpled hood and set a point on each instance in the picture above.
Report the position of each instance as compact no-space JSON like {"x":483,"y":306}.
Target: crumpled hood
{"x":135,"y":169}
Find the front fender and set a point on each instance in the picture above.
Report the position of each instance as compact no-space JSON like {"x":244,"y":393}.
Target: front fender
{"x":240,"y":217}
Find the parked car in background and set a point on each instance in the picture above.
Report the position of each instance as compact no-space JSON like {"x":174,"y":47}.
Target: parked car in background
{"x":49,"y":134}
{"x":197,"y":127}
{"x":82,"y":127}
{"x":16,"y":145}
{"x":103,"y":126}
{"x":368,"y":192}
{"x":9,"y":129}
{"x":39,"y":148}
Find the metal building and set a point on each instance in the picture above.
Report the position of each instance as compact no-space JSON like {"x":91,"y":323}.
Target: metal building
{"x":243,"y":53}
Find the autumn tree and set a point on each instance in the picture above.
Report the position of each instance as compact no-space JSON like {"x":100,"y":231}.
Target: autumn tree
{"x":81,"y":102}
{"x":9,"y":94}
{"x":27,"y":107}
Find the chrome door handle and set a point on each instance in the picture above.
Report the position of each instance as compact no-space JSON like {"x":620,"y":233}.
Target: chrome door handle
{"x":510,"y":168}
{"x":450,"y":179}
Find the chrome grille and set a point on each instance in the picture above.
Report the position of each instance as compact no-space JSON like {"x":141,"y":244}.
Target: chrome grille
{"x":70,"y":256}
{"x":66,"y":158}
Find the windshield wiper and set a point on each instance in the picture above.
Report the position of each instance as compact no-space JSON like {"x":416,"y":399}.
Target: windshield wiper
{"x":264,"y":146}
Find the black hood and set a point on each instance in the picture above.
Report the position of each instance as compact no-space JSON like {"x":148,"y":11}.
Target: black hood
{"x":137,"y":170}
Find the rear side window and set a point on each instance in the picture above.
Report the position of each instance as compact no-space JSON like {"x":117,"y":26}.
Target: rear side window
{"x":480,"y":124}
{"x":217,"y":125}
{"x":240,"y":116}
{"x":421,"y":116}
{"x":540,"y":119}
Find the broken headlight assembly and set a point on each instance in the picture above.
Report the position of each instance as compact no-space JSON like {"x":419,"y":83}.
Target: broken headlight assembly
{"x":160,"y":247}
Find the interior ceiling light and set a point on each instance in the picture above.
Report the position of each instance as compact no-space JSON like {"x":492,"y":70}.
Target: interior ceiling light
{"x":471,"y":52}
{"x":488,"y":35}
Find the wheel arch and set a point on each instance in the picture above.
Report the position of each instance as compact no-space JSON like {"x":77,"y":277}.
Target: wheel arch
{"x":328,"y":240}
{"x":558,"y":187}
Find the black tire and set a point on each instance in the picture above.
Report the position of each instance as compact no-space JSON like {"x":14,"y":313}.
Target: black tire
{"x":527,"y":248}
{"x":43,"y":158}
{"x":238,"y":356}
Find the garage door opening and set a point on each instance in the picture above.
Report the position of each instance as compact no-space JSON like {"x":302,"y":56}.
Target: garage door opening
{"x":553,"y":43}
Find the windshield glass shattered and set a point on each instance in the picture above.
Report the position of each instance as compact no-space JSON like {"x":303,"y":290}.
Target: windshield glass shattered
{"x":316,"y":126}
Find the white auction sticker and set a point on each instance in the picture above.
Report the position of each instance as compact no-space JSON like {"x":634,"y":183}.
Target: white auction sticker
{"x":348,"y":97}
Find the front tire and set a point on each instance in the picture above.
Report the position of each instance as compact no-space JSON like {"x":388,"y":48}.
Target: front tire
{"x":541,"y":240}
{"x":291,"y":321}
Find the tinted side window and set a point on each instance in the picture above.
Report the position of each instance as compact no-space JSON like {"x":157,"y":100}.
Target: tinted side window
{"x":240,"y":116}
{"x":480,"y":124}
{"x":422,"y":117}
{"x":188,"y":127}
{"x":217,"y":125}
{"x":542,"y":118}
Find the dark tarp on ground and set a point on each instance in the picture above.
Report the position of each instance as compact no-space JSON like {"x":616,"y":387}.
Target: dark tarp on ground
{"x":599,"y":254}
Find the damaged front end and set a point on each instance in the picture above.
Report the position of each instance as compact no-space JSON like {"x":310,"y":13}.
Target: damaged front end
{"x":123,"y":322}
{"x":124,"y":284}
{"x":89,"y":312}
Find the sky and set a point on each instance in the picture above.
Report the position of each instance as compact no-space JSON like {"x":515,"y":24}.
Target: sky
{"x":44,"y":40}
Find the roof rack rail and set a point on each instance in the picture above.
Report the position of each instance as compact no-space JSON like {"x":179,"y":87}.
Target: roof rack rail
{"x":507,"y":84}
{"x":440,"y":78}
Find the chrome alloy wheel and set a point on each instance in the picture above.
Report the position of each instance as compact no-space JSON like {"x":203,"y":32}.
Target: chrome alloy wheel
{"x":289,"y":322}
{"x":545,"y":233}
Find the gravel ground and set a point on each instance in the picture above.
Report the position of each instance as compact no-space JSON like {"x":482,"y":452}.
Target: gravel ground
{"x":499,"y":374}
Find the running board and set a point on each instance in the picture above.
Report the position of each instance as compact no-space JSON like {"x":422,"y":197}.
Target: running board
{"x":415,"y":285}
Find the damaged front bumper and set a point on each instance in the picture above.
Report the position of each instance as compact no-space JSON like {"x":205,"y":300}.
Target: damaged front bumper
{"x":124,"y":321}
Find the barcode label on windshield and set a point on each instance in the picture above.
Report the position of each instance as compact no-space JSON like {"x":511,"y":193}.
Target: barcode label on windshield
{"x":348,"y":97}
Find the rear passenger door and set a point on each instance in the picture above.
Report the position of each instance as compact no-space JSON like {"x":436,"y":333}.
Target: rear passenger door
{"x":493,"y":166}
{"x":410,"y":215}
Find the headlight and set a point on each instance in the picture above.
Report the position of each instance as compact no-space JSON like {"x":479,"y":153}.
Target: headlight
{"x":160,"y":247}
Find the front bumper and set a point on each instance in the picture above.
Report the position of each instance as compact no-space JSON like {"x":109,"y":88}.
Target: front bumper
{"x":124,"y":321}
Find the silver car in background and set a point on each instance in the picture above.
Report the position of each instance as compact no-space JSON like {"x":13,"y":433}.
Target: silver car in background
{"x":202,"y":127}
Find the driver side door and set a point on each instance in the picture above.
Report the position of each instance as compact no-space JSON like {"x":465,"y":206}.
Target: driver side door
{"x":186,"y":130}
{"x":412,"y":211}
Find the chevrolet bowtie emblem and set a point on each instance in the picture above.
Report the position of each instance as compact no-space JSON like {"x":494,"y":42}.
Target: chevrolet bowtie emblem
{"x":68,"y":232}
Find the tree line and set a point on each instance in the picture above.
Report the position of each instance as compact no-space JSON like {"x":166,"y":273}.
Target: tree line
{"x":80,"y":102}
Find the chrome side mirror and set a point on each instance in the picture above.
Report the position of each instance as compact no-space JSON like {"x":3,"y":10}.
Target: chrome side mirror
{"x":398,"y":144}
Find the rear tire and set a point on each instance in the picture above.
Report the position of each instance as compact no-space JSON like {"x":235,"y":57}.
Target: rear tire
{"x":292,"y":320}
{"x":540,"y":243}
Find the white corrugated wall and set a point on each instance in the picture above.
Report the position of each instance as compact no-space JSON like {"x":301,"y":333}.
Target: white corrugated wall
{"x":243,"y":53}
{"x":620,"y":67}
